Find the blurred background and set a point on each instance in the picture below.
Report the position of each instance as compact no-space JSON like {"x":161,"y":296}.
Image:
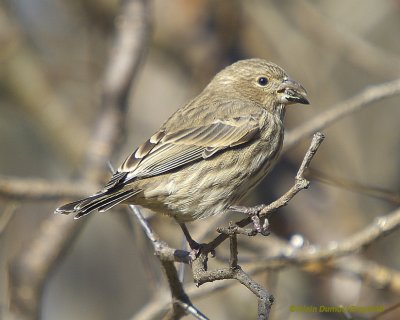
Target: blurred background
{"x":53,"y":55}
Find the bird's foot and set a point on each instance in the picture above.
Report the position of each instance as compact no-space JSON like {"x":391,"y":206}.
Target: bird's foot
{"x":261,"y":225}
{"x":198,"y":248}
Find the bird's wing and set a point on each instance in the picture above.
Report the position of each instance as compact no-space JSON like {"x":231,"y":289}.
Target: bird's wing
{"x":166,"y":151}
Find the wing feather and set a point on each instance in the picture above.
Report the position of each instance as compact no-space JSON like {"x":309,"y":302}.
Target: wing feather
{"x":167,"y":151}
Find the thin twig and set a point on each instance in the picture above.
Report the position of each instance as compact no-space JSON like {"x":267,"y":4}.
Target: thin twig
{"x":181,"y":303}
{"x":41,"y":189}
{"x":7,"y":216}
{"x":355,"y":103}
{"x":192,"y":310}
{"x":333,"y":36}
{"x":380,"y":227}
{"x":369,"y":272}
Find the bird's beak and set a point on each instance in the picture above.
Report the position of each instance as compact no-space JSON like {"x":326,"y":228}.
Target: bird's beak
{"x":290,"y":92}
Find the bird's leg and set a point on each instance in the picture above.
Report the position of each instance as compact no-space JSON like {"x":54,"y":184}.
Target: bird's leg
{"x":194,"y":246}
{"x":261,"y":225}
{"x":192,"y":243}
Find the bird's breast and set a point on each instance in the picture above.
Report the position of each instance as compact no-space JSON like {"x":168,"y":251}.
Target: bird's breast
{"x":262,"y":156}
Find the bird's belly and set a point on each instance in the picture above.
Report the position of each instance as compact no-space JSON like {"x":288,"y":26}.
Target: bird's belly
{"x":262,"y":162}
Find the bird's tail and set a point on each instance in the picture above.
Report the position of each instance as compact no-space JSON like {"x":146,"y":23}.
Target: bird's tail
{"x":101,"y":201}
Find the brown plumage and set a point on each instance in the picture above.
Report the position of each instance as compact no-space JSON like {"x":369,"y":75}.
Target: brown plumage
{"x":209,"y":154}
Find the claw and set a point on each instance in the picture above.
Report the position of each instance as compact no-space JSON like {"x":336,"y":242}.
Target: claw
{"x":197,"y":249}
{"x":253,"y":213}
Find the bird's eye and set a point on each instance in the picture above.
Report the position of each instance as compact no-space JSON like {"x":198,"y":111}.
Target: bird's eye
{"x":262,"y":81}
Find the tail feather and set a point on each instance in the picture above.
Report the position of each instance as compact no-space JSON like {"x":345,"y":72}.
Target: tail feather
{"x":101,"y":201}
{"x":113,"y":201}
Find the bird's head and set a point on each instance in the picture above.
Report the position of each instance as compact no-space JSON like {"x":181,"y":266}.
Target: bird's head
{"x":262,"y":82}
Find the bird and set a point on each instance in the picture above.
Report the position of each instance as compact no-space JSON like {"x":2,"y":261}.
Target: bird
{"x":211,"y":152}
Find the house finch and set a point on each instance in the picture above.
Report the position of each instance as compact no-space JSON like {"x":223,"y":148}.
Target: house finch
{"x":209,"y":154}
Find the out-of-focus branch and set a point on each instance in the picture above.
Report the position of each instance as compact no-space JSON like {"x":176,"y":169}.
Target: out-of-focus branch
{"x":370,"y":273}
{"x":31,"y":268}
{"x":41,"y":189}
{"x":23,"y":78}
{"x":341,"y":110}
{"x":133,"y":27}
{"x":33,"y":265}
{"x":341,"y":40}
{"x":288,"y":255}
{"x":7,"y":216}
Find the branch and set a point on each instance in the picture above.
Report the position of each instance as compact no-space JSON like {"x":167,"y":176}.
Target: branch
{"x":6,"y":217}
{"x":24,"y":78}
{"x":370,"y":273}
{"x":41,"y":189}
{"x":342,"y":41}
{"x":288,"y":255}
{"x":341,"y":110}
{"x":181,"y":303}
{"x":126,"y":57}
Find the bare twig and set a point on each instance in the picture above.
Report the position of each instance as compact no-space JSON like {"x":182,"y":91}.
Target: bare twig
{"x":370,"y":273}
{"x":387,"y":310}
{"x":6,"y":216}
{"x":30,"y":269}
{"x":201,"y":275}
{"x":353,"y":244}
{"x":333,"y":36}
{"x":349,"y":184}
{"x":341,"y":110}
{"x":41,"y":189}
{"x":126,"y":57}
{"x":26,"y":80}
{"x":181,"y":303}
{"x":192,"y":310}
